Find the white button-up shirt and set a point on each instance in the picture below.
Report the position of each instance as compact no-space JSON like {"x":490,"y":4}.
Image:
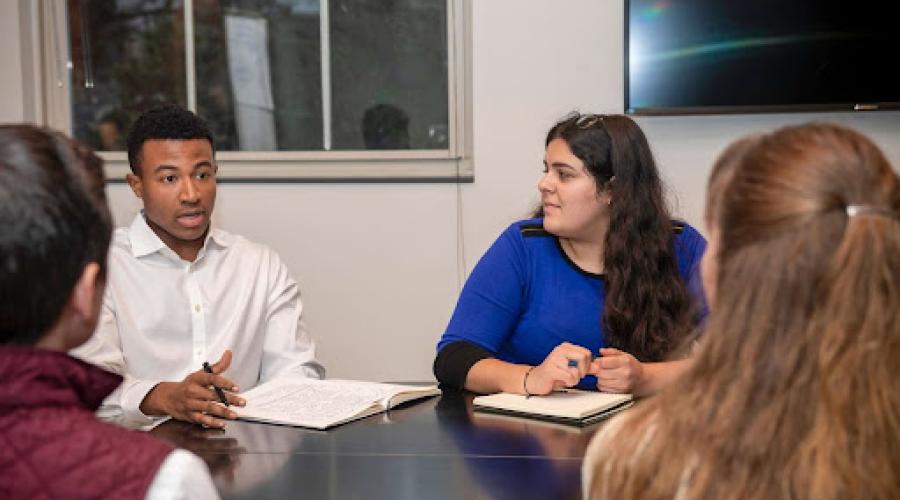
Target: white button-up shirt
{"x":163,"y":317}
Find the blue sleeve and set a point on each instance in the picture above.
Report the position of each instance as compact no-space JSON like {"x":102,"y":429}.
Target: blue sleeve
{"x":690,"y":248}
{"x":492,"y":299}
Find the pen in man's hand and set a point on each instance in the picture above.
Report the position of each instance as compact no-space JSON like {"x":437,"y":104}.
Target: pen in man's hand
{"x":219,"y":392}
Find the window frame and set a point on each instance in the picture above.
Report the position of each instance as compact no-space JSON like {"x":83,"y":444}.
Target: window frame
{"x":48,"y":30}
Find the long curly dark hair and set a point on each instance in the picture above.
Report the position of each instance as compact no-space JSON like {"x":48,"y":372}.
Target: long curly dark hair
{"x":647,"y":310}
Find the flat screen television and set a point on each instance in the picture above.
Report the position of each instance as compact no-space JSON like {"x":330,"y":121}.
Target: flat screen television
{"x":720,"y":56}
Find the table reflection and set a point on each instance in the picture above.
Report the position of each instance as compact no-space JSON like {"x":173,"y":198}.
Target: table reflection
{"x":438,"y":449}
{"x":240,"y":456}
{"x":548,"y":455}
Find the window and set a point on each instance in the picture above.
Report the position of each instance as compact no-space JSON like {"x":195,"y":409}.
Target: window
{"x":293,"y":89}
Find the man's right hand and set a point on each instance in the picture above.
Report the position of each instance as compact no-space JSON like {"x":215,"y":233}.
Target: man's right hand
{"x":194,"y":399}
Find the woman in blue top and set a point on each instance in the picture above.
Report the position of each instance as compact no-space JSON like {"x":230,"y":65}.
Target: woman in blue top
{"x":602,"y":270}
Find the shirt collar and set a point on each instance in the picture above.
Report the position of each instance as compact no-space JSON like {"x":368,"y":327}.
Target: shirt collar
{"x":145,"y":242}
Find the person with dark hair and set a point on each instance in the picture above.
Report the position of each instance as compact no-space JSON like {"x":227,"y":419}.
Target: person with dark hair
{"x":182,"y":292}
{"x":53,"y":254}
{"x":111,"y":130}
{"x":385,"y":126}
{"x":793,"y":394}
{"x":602,"y":269}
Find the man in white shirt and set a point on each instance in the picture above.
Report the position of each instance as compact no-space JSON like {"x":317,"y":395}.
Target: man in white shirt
{"x":182,"y":292}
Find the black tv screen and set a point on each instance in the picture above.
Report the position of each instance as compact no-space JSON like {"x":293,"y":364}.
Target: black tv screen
{"x":719,"y":56}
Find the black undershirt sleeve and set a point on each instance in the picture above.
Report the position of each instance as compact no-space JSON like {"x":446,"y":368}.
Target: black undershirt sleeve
{"x":454,"y":361}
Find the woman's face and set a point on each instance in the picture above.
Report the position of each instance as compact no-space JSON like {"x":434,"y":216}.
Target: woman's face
{"x":572,"y":206}
{"x":709,"y":266}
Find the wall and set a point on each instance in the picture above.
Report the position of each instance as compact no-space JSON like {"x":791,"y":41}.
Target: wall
{"x":378,"y":262}
{"x":11,"y":91}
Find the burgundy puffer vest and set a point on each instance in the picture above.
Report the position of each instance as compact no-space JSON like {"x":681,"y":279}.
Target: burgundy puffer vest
{"x":52,"y":446}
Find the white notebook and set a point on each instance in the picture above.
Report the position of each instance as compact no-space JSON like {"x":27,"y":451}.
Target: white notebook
{"x":320,"y":404}
{"x":569,"y":406}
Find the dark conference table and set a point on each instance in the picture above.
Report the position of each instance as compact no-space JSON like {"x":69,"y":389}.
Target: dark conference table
{"x":430,"y":449}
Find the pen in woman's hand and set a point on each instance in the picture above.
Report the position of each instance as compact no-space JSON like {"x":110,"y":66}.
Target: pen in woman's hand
{"x":219,"y":392}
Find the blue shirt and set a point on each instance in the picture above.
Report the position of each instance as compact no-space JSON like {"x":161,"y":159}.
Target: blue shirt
{"x":525,"y":296}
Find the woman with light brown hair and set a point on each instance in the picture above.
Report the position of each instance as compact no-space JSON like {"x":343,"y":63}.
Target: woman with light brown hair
{"x":794,"y":390}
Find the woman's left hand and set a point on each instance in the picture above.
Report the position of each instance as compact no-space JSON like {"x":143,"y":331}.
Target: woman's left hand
{"x":617,"y":371}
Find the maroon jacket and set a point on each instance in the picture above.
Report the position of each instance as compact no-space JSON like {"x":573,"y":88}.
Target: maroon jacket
{"x":52,"y":445}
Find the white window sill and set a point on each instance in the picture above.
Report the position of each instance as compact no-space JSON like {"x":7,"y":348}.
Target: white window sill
{"x":327,"y":166}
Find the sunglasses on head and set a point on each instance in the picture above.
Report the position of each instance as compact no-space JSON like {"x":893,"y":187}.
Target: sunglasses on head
{"x":588,"y":121}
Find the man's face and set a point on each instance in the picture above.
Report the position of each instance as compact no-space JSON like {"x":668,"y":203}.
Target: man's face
{"x":177,"y":183}
{"x":109,"y":136}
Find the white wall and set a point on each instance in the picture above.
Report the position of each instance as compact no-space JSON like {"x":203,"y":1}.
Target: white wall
{"x":686,"y":147}
{"x":377,"y":262}
{"x":11,"y":92}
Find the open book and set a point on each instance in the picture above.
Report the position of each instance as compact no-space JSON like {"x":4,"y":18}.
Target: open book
{"x":321,"y":404}
{"x":570,"y":406}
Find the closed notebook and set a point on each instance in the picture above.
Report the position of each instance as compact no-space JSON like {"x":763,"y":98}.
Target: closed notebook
{"x":320,"y":404}
{"x":569,"y":406}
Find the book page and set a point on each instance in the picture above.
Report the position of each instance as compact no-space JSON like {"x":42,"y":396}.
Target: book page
{"x":299,"y":403}
{"x":319,"y":403}
{"x":400,"y":394}
{"x":570,"y":403}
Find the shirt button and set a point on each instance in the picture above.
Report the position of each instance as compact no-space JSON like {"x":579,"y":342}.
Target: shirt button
{"x":197,"y":307}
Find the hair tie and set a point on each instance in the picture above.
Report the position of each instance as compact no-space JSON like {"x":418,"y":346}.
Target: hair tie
{"x":859,"y":210}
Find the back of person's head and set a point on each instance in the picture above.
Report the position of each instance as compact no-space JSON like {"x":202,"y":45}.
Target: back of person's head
{"x":647,"y":309}
{"x":793,"y":391}
{"x":54,"y":220}
{"x":385,"y":126}
{"x":167,"y":122}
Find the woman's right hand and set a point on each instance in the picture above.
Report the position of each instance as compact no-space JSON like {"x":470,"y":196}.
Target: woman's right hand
{"x":556,"y":371}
